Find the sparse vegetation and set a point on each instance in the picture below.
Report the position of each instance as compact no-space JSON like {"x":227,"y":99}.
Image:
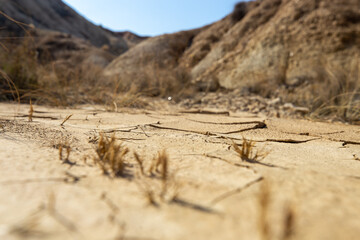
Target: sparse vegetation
{"x":68,"y":150}
{"x":266,"y":228}
{"x":155,"y":193}
{"x":289,"y":223}
{"x":222,"y":170}
{"x":110,"y":156}
{"x":62,"y":146}
{"x":247,"y":153}
{"x":264,"y":202}
{"x":340,"y":98}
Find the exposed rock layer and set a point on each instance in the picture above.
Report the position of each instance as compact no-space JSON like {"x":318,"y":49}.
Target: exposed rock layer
{"x":267,"y":46}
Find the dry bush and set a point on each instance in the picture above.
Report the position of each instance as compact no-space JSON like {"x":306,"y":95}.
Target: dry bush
{"x":18,"y":70}
{"x":155,"y":81}
{"x":64,"y":85}
{"x":24,"y":76}
{"x":67,"y":79}
{"x":127,"y":98}
{"x":339,"y":96}
{"x":333,"y":92}
{"x":110,"y":156}
{"x":11,"y":64}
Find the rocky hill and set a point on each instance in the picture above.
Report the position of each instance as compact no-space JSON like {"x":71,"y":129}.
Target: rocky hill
{"x":288,"y":48}
{"x":55,"y":15}
{"x":302,"y":52}
{"x":130,"y":38}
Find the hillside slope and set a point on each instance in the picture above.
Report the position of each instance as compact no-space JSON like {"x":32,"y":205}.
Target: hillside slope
{"x":57,"y":16}
{"x":287,"y":48}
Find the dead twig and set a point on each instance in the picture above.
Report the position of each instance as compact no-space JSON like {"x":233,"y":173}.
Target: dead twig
{"x":199,"y":111}
{"x":229,"y":123}
{"x":66,"y":119}
{"x":31,"y":112}
{"x":182,"y":130}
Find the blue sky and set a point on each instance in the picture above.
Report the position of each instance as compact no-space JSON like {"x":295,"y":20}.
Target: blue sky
{"x":152,"y":17}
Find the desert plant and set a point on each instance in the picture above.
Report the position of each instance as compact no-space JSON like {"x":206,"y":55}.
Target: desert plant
{"x":19,"y":64}
{"x":110,"y":156}
{"x":65,"y":145}
{"x":158,"y":185}
{"x":10,"y":85}
{"x":340,"y":99}
{"x":247,"y":152}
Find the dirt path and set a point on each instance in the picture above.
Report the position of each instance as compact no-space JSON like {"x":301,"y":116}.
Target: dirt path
{"x":307,"y":186}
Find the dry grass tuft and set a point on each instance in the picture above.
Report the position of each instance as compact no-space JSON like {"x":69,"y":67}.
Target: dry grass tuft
{"x":11,"y":86}
{"x":68,"y":150}
{"x":157,"y":183}
{"x":289,"y":223}
{"x":140,"y":161}
{"x":64,"y":146}
{"x":18,"y":69}
{"x":159,"y":165}
{"x":156,"y":194}
{"x":247,"y":153}
{"x":264,"y":202}
{"x":265,"y":225}
{"x":110,"y":156}
{"x":340,"y":100}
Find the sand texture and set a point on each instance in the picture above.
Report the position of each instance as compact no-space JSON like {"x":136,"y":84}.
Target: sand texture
{"x":307,"y":186}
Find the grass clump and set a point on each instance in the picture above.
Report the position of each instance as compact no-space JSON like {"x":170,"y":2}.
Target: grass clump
{"x":247,"y":152}
{"x":110,"y":156}
{"x":340,"y":99}
{"x":18,"y":67}
{"x":158,"y":184}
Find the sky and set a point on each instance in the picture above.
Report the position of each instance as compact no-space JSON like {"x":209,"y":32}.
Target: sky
{"x":152,"y":17}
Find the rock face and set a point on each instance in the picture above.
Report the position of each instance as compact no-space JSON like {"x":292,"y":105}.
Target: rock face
{"x":285,"y":43}
{"x":265,"y":46}
{"x":57,"y":16}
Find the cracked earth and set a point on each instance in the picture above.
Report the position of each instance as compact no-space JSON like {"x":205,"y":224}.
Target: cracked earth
{"x":307,"y":186}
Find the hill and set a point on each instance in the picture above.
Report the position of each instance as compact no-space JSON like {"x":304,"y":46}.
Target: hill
{"x":305,"y":52}
{"x":55,"y":15}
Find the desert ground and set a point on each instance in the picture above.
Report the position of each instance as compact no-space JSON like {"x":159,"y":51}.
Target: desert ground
{"x":301,"y":179}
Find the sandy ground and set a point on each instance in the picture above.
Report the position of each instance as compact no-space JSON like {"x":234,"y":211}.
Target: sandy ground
{"x":307,"y":186}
